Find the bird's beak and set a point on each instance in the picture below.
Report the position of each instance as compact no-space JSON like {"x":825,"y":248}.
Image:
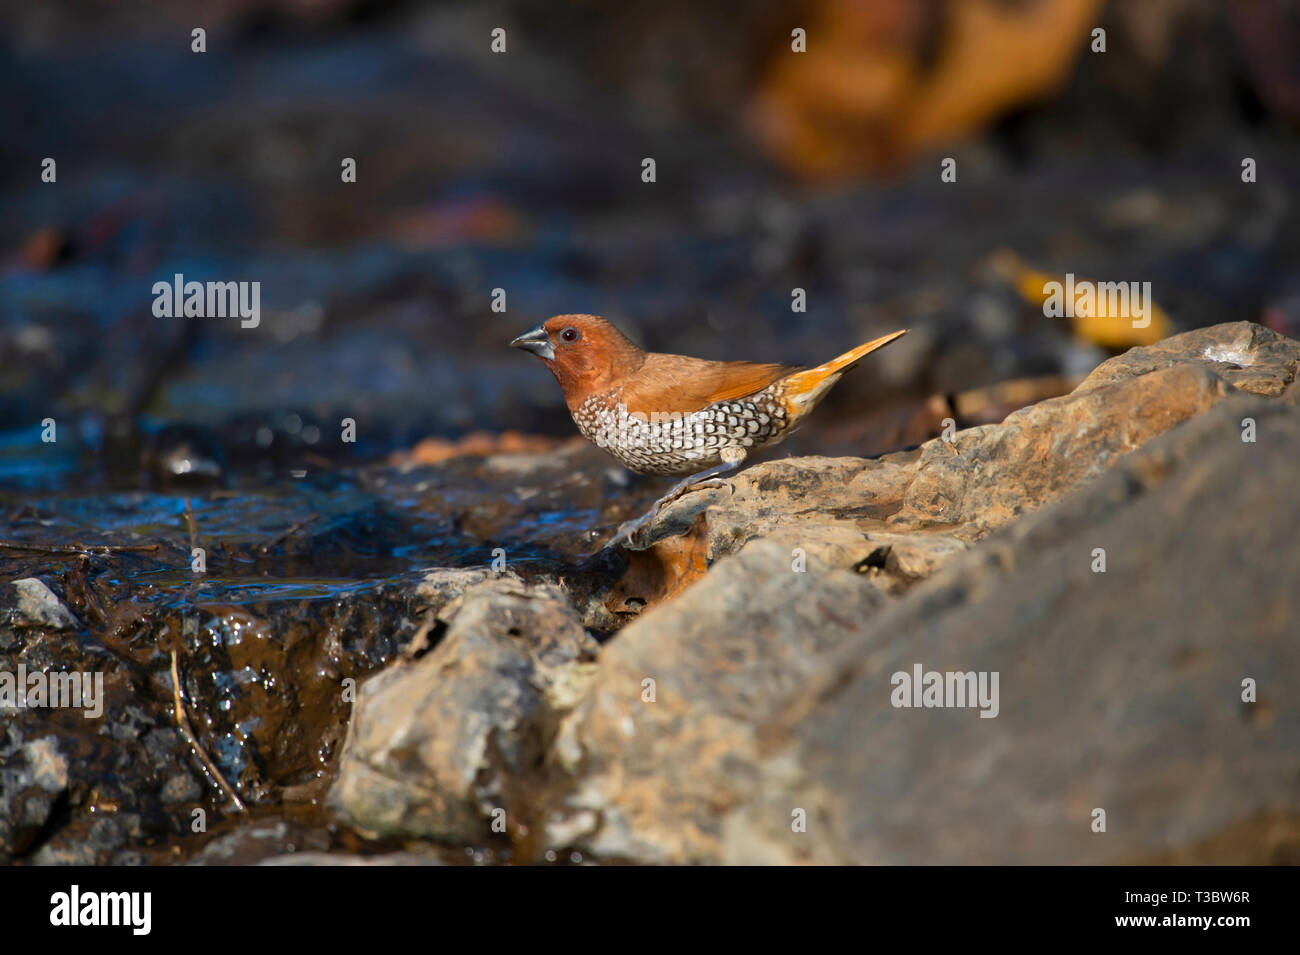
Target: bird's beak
{"x":536,"y":341}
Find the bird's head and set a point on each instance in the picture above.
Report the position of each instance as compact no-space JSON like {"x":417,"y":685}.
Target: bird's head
{"x":586,"y":354}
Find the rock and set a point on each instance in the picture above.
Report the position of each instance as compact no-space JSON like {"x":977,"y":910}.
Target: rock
{"x":444,"y":585}
{"x":1247,"y":356}
{"x":727,"y":655}
{"x":435,"y":747}
{"x":77,"y":854}
{"x":836,"y":510}
{"x":1049,"y":448}
{"x":250,"y":844}
{"x":1120,"y":691}
{"x":181,"y":788}
{"x":33,"y":780}
{"x":30,"y":603}
{"x":773,"y":736}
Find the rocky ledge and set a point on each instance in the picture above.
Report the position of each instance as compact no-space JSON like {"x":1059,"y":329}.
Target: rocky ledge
{"x":1121,"y":564}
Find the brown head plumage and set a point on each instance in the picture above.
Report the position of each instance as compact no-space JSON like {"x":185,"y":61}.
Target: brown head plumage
{"x":586,"y":354}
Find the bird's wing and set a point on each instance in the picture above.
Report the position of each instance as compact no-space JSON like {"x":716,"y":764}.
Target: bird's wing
{"x":676,"y":383}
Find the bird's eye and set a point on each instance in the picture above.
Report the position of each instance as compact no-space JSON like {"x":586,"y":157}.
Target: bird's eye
{"x":570,"y":335}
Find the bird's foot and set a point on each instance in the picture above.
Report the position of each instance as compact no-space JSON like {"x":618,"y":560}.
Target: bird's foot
{"x":682,"y":490}
{"x":628,"y":529}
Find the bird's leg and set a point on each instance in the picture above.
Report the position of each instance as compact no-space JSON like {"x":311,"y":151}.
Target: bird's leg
{"x":706,"y":478}
{"x":731,"y":459}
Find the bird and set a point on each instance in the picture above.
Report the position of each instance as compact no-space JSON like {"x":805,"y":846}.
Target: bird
{"x":673,"y":414}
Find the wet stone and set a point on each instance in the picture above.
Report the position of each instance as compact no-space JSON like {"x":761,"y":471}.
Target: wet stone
{"x":31,"y":603}
{"x":181,"y":789}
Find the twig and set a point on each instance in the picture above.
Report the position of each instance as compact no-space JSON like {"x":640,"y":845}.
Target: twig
{"x":194,"y":528}
{"x":183,"y":722}
{"x":285,"y":535}
{"x":76,"y":549}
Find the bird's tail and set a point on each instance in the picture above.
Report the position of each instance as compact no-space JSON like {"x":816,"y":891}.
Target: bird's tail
{"x":808,"y":386}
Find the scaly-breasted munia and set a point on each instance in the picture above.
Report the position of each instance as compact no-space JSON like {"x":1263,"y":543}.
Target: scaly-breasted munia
{"x":670,"y":414}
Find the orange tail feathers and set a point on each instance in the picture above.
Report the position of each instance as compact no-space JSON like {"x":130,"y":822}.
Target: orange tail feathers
{"x":805,"y":386}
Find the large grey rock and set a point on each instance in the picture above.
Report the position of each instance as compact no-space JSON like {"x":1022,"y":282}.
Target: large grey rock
{"x":1120,"y":691}
{"x":437,"y":746}
{"x":671,"y":734}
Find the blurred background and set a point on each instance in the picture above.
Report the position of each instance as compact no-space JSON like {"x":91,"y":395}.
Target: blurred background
{"x":776,"y":170}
